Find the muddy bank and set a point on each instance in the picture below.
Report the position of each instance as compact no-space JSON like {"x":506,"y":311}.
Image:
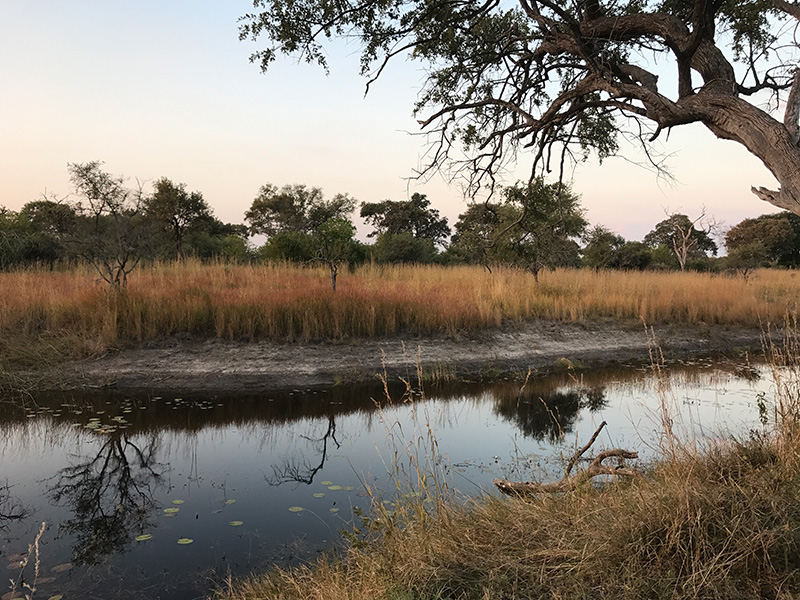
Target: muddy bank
{"x":217,"y":365}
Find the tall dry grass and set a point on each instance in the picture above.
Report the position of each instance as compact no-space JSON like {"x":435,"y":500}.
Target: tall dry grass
{"x":718,"y":523}
{"x":284,"y":302}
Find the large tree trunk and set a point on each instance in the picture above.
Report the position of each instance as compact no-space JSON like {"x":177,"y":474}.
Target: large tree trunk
{"x":732,"y":118}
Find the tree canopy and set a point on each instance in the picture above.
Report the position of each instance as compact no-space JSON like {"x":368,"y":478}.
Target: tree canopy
{"x":777,"y":235}
{"x":295,"y":208}
{"x":175,"y":209}
{"x":414,"y":216}
{"x":535,"y":227}
{"x":564,"y":79}
{"x":684,"y":236}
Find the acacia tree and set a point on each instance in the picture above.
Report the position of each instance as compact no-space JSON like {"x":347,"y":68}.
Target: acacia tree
{"x":534,"y":228}
{"x":563,"y":78}
{"x":176,"y":210}
{"x":110,"y":232}
{"x":334,"y":245}
{"x":293,"y":208}
{"x":414,"y":216}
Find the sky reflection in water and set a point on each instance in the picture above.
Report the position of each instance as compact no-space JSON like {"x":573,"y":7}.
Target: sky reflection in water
{"x":101,"y":469}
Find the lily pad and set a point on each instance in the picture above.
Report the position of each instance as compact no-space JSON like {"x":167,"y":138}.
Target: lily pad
{"x":334,"y":487}
{"x":334,"y":510}
{"x":62,"y":568}
{"x":184,"y":541}
{"x":171,"y":510}
{"x":296,"y":509}
{"x":326,"y":483}
{"x":18,"y":556}
{"x":236,"y":523}
{"x":231,"y":501}
{"x":319,"y":495}
{"x":15,"y":566}
{"x":348,"y":488}
{"x":56,"y":597}
{"x":178,"y":501}
{"x":144,"y":537}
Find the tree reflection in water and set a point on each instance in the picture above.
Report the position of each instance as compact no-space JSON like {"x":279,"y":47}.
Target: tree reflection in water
{"x":548,"y":415}
{"x":11,"y":509}
{"x":305,"y":472}
{"x":110,"y":496}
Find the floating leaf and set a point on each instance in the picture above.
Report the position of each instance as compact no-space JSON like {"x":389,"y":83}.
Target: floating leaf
{"x":334,"y":510}
{"x":326,"y":483}
{"x":177,"y":501}
{"x":236,"y":523}
{"x":319,"y":495}
{"x":296,"y":508}
{"x":18,"y":556}
{"x":144,"y":537}
{"x":334,"y":487}
{"x":231,"y":501}
{"x":184,"y":541}
{"x":348,"y":488}
{"x":14,"y":566}
{"x":56,"y":597}
{"x":171,"y":511}
{"x":62,"y":568}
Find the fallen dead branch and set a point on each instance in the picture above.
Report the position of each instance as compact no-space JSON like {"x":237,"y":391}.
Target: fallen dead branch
{"x":568,"y":483}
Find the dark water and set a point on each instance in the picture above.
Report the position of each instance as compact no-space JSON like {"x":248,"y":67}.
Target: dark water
{"x":102,"y":469}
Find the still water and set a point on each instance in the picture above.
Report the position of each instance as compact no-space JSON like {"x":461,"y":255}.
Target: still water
{"x":165,"y":495}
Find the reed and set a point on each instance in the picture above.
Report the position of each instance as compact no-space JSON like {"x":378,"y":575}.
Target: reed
{"x":72,"y":312}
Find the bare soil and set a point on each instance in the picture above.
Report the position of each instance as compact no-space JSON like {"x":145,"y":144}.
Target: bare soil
{"x":216,"y":365}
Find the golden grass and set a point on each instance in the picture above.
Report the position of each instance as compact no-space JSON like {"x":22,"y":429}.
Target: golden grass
{"x":284,"y":302}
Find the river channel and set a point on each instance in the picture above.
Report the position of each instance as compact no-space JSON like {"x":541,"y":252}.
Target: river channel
{"x":165,"y":495}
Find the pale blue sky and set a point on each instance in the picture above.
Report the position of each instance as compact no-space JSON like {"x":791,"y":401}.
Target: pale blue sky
{"x":165,"y":89}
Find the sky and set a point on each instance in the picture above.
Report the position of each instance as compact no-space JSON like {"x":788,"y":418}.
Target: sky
{"x":165,"y":89}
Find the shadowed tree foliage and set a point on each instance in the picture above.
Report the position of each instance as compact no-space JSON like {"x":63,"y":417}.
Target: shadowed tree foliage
{"x":414,"y":216}
{"x":176,"y":210}
{"x":777,"y":234}
{"x":601,"y":247}
{"x":294,"y":208}
{"x":333,"y":245}
{"x":534,"y":228}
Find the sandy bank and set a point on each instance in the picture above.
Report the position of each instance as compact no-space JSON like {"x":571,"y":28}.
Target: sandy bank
{"x":217,"y":365}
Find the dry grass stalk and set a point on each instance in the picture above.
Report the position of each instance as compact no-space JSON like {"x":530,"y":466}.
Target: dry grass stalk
{"x":64,"y":313}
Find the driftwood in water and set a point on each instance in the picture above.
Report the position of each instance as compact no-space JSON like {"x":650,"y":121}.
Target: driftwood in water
{"x":568,"y":483}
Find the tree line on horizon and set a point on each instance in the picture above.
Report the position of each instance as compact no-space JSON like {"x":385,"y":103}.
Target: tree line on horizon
{"x":533,"y":226}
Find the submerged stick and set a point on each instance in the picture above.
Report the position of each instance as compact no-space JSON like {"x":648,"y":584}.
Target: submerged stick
{"x":567,"y":483}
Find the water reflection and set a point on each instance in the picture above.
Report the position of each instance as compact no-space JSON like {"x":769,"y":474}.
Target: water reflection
{"x":11,"y":508}
{"x":110,"y":496}
{"x":294,"y":472}
{"x":548,"y":415}
{"x":101,"y":467}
